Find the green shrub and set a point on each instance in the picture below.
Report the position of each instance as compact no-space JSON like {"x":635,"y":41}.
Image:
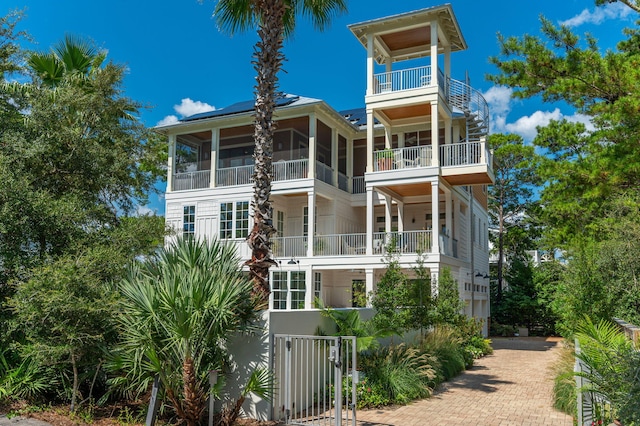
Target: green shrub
{"x":497,"y":329}
{"x":564,"y":382}
{"x":401,"y":371}
{"x":443,"y":343}
{"x":369,"y":395}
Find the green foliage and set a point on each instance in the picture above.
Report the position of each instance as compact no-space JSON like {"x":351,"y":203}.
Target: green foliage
{"x":604,"y":349}
{"x":178,"y":310}
{"x":581,"y":169}
{"x":612,"y":363}
{"x":349,"y":323}
{"x":526,"y":301}
{"x":74,"y":160}
{"x":403,"y":372}
{"x":564,"y":383}
{"x":371,"y":395}
{"x":443,"y":343}
{"x":392,"y":296}
{"x":447,"y":304}
{"x":26,"y":381}
{"x":510,"y":199}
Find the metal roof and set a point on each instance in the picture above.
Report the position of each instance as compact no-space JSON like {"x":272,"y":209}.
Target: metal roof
{"x":239,"y":107}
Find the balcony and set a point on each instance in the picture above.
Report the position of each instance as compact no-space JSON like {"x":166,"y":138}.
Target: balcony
{"x":407,"y":79}
{"x":407,"y":242}
{"x":191,"y":180}
{"x":282,"y":171}
{"x":402,"y":158}
{"x":461,"y":163}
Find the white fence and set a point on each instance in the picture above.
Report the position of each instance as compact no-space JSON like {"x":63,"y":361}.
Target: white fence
{"x":315,"y":380}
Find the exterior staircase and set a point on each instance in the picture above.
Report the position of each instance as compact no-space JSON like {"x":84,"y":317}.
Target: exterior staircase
{"x":471,"y":102}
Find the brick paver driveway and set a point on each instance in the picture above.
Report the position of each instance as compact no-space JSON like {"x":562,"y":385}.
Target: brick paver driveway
{"x":511,"y":387}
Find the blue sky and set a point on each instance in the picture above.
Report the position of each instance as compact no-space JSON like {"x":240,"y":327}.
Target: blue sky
{"x":179,"y":63}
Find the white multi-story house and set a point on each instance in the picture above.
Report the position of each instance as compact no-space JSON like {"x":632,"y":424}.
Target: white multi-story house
{"x":410,"y":168}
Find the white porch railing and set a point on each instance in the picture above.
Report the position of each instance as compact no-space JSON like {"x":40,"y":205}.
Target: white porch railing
{"x":233,"y":176}
{"x":394,"y":81}
{"x":407,"y":242}
{"x":243,"y":175}
{"x":290,"y":170}
{"x":289,"y":246}
{"x":402,"y":242}
{"x":357,"y":185}
{"x":324,"y":173}
{"x":465,"y":153}
{"x":402,"y":158}
{"x":343,"y":182}
{"x":191,"y":180}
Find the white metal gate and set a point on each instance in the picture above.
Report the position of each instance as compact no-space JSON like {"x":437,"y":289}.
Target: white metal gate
{"x":316,"y":380}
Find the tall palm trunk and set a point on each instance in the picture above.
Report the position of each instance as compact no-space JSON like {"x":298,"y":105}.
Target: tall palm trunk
{"x":193,"y":395}
{"x":268,"y":62}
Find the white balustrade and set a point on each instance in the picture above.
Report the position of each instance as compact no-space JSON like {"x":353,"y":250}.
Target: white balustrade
{"x":402,"y":158}
{"x":357,"y":185}
{"x":191,"y":180}
{"x":407,"y":79}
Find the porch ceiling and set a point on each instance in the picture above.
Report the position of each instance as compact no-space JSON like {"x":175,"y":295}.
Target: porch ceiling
{"x":408,"y":35}
{"x":411,"y":190}
{"x":411,"y":111}
{"x":410,"y":39}
{"x":469,"y":179}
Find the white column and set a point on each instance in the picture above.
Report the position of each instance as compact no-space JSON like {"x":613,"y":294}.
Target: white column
{"x":435,"y":277}
{"x":312,"y":146}
{"x":369,"y":221}
{"x":215,"y":148}
{"x":370,"y":64}
{"x":171,"y":162}
{"x":308,"y":289}
{"x":447,"y":130}
{"x":447,"y":61}
{"x":350,"y":163}
{"x":368,"y":283}
{"x":370,"y":141}
{"x":435,"y":218}
{"x":400,"y":216}
{"x":311,"y":221}
{"x":334,"y":155}
{"x":387,"y":137}
{"x":401,"y":140}
{"x":387,"y":214}
{"x":435,"y":140}
{"x":448,"y":222}
{"x":434,"y":53}
{"x":456,"y":219}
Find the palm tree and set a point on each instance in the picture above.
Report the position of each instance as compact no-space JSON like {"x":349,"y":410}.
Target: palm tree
{"x":275,"y":20}
{"x":178,"y":311}
{"x":70,"y":57}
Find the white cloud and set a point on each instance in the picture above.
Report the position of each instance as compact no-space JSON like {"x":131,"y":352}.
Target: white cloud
{"x":526,"y":126}
{"x":168,"y":120}
{"x":615,"y":10}
{"x":186,"y":108}
{"x":499,"y":100}
{"x":143,"y":211}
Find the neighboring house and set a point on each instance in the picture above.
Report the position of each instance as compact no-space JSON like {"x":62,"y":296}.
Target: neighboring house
{"x":411,"y":169}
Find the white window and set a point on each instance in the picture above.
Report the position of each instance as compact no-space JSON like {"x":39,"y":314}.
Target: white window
{"x":305,"y":221}
{"x":317,"y":286}
{"x":288,"y":289}
{"x":279,"y":290}
{"x":234,"y":220}
{"x":298,"y":289}
{"x":280,"y":223}
{"x":188,"y":221}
